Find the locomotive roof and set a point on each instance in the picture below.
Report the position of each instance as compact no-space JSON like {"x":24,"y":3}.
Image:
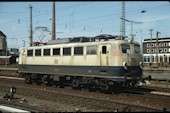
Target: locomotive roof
{"x":85,"y":43}
{"x":81,"y":39}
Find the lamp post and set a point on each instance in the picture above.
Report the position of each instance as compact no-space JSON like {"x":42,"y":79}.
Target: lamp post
{"x":132,"y":22}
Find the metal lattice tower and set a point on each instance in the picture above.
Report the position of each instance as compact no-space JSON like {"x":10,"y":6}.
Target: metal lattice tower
{"x":122,"y":22}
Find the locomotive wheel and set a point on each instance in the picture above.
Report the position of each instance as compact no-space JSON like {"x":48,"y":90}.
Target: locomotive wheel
{"x":76,"y":84}
{"x":49,"y":83}
{"x":62,"y":82}
{"x":116,"y":88}
{"x":105,"y":89}
{"x":91,"y":87}
{"x":38,"y":80}
{"x":28,"y":79}
{"x":38,"y":83}
{"x":61,"y":85}
{"x":56,"y":83}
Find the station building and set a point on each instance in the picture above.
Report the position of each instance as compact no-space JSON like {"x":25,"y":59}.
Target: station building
{"x":3,"y":44}
{"x":7,"y":55}
{"x":156,"y":52}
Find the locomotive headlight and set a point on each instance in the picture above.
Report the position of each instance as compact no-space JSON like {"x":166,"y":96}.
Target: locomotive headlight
{"x":141,"y":64}
{"x":125,"y":65}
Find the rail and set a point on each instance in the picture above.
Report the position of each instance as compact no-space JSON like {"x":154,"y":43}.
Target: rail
{"x":9,"y":106}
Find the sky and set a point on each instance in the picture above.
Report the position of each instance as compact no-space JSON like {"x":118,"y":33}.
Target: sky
{"x":83,"y":18}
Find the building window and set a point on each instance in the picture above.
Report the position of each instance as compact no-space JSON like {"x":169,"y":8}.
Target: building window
{"x":169,"y":49}
{"x":78,"y":50}
{"x":165,"y":44}
{"x":153,"y":58}
{"x":161,"y":58}
{"x":38,"y":52}
{"x":160,"y":50}
{"x":56,"y":51}
{"x":148,"y":44}
{"x":67,"y":51}
{"x":148,"y":59}
{"x":160,"y":44}
{"x":46,"y":52}
{"x":29,"y":52}
{"x":91,"y":50}
{"x":165,"y":50}
{"x":145,"y":59}
{"x":148,"y":50}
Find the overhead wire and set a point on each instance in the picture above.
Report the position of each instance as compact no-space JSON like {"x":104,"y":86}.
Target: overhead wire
{"x":76,"y":21}
{"x":153,"y":17}
{"x":86,"y":18}
{"x":63,"y":8}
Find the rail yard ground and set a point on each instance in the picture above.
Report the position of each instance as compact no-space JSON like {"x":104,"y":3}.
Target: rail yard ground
{"x":57,"y":99}
{"x":66,"y":99}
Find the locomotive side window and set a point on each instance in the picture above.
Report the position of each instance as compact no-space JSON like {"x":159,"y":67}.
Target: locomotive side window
{"x":91,"y":50}
{"x":46,"y":52}
{"x":38,"y":52}
{"x":67,"y":51}
{"x":78,"y":50}
{"x":29,"y":52}
{"x":125,"y":48}
{"x":137,"y":48}
{"x":56,"y":51}
{"x":104,"y":49}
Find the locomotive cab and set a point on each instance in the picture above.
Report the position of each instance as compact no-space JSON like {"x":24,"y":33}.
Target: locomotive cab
{"x":131,"y":60}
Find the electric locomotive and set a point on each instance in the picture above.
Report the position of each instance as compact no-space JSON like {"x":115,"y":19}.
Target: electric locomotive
{"x":101,"y":62}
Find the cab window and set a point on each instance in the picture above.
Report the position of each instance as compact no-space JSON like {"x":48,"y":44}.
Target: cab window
{"x":125,"y":48}
{"x":137,"y":48}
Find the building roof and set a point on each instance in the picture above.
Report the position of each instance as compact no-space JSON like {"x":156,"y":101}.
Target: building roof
{"x":2,"y":34}
{"x":165,"y":38}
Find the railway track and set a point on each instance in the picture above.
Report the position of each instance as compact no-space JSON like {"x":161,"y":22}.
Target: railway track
{"x":85,"y":101}
{"x":12,"y":106}
{"x":133,"y":90}
{"x":105,"y":105}
{"x":153,"y":95}
{"x":88,"y":102}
